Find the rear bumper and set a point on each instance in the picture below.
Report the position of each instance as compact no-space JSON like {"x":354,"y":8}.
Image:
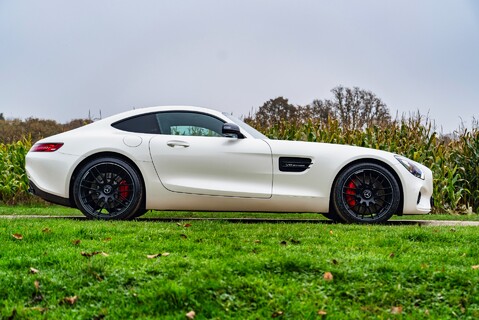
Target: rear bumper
{"x":33,"y":189}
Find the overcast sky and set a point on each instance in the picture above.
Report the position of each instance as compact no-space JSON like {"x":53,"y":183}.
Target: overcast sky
{"x":61,"y":59}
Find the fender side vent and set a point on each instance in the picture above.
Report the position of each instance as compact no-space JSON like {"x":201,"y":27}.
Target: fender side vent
{"x":290,"y":164}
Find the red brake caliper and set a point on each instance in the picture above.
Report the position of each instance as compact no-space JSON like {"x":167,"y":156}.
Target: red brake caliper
{"x":123,"y":188}
{"x":350,"y":193}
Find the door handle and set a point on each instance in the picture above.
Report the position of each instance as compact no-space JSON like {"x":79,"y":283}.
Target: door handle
{"x":177,"y":143}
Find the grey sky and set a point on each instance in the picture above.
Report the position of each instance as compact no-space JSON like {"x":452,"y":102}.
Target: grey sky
{"x":60,"y":59}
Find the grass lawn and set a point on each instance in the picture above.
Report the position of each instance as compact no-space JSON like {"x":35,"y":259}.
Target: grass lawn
{"x":142,"y":269}
{"x":53,"y":210}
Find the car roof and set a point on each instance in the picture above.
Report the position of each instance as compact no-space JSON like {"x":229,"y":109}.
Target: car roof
{"x":139,"y":111}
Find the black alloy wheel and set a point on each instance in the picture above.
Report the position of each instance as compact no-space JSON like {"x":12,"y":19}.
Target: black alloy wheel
{"x":366,"y":193}
{"x":108,"y":188}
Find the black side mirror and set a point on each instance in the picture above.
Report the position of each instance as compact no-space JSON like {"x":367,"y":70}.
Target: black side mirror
{"x":232,"y":130}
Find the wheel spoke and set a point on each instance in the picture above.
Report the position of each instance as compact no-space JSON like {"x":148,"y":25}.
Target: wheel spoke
{"x":98,"y":174}
{"x":361,"y":182}
{"x":90,"y":188}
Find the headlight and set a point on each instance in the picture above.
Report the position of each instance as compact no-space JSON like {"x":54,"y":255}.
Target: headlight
{"x":411,"y":167}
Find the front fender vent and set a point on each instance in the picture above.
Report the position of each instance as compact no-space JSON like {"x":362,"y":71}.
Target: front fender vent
{"x":293,"y":164}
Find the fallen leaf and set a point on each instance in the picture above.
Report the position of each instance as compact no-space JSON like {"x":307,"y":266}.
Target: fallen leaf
{"x":475,"y":267}
{"x":37,"y":297}
{"x":191,"y":314}
{"x":396,"y":310}
{"x":85,"y":254}
{"x":331,"y":232}
{"x":46,"y":230}
{"x":153,"y":256}
{"x":294,"y":241}
{"x":391,"y":255}
{"x":277,"y":314}
{"x":184,"y":236}
{"x":322,"y":312}
{"x":187,"y":225}
{"x":17,"y":236}
{"x":33,"y":270}
{"x":165,"y":254}
{"x":328,"y":276}
{"x":257,"y":241}
{"x":39,"y":309}
{"x":283,"y":243}
{"x":335,"y":262}
{"x":98,"y":277}
{"x":178,"y":224}
{"x":76,"y":242}
{"x":71,"y":300}
{"x":36,"y":283}
{"x":88,"y":255}
{"x":107,"y":239}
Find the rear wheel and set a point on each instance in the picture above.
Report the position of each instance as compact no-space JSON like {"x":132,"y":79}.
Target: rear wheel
{"x":366,"y":193}
{"x":108,"y":188}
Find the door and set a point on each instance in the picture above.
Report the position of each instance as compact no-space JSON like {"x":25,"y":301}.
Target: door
{"x":192,"y":156}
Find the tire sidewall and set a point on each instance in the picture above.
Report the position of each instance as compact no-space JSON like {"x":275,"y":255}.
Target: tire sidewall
{"x":132,"y":208}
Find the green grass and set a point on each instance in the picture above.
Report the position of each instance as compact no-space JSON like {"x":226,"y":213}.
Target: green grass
{"x":53,"y":210}
{"x":234,"y":270}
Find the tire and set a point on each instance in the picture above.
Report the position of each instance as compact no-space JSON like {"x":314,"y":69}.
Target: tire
{"x":108,"y":188}
{"x":333,"y":216}
{"x":139,"y":213}
{"x":366,"y":193}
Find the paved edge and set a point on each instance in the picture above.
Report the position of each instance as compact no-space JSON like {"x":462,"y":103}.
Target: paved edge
{"x":447,"y":223}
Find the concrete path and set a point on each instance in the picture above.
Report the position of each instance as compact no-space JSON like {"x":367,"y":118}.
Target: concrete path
{"x":449,"y":223}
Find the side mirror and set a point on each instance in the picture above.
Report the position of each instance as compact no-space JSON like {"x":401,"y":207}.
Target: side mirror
{"x":232,"y":130}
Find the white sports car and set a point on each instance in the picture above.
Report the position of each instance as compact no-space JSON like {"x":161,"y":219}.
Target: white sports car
{"x":190,"y":158}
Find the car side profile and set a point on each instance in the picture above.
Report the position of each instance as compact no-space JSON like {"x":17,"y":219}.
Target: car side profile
{"x":199,"y":159}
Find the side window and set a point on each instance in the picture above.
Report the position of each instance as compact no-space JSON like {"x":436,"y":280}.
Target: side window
{"x":189,"y":124}
{"x":145,"y":123}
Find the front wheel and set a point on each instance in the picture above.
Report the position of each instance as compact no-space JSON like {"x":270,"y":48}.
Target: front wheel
{"x":108,"y":188}
{"x":366,"y":193}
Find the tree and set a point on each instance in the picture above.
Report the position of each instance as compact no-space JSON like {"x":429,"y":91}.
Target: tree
{"x":356,"y":108}
{"x":317,"y":111}
{"x":274,"y":111}
{"x":353,"y":108}
{"x":1,"y":116}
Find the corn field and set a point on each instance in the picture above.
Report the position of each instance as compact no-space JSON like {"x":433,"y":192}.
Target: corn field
{"x":454,"y":161}
{"x":13,"y":179}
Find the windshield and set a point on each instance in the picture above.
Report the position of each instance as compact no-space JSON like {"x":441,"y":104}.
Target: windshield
{"x":246,"y":127}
